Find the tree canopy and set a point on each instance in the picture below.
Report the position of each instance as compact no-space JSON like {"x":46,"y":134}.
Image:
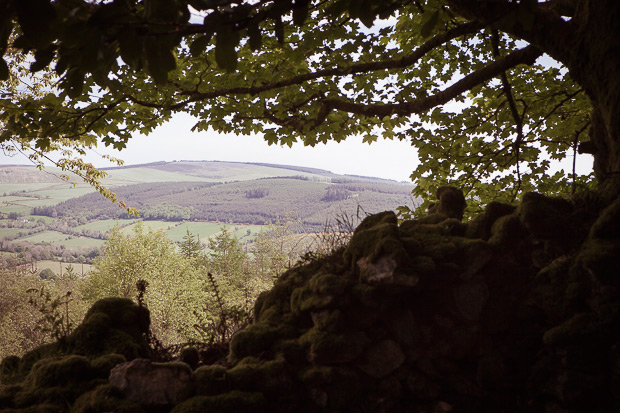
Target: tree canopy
{"x":487,"y":91}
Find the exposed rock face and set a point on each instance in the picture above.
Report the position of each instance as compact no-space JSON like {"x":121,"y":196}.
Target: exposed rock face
{"x":153,"y":384}
{"x":517,"y":310}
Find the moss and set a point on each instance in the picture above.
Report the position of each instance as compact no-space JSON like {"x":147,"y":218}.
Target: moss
{"x":305,"y":299}
{"x":54,"y":372}
{"x":580,"y":329}
{"x":330,"y":284}
{"x":291,"y":350}
{"x":332,"y":348}
{"x":211,"y":380}
{"x":507,"y":232}
{"x":328,"y":320}
{"x":255,"y":340}
{"x":103,"y":364}
{"x":105,"y":398}
{"x":601,"y":259}
{"x":8,"y":393}
{"x":317,"y":376}
{"x":386,"y":217}
{"x":546,"y":217}
{"x":480,"y":226}
{"x":31,"y":357}
{"x":367,"y":295}
{"x":9,"y":370}
{"x":345,"y":391}
{"x":270,"y":304}
{"x":234,"y":401}
{"x":112,"y":325}
{"x":607,"y":226}
{"x":375,"y":241}
{"x":190,"y":356}
{"x":451,"y":202}
{"x":269,"y":377}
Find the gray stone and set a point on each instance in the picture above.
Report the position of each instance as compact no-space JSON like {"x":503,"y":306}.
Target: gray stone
{"x":153,"y":384}
{"x":470,"y":298}
{"x":382,"y":358}
{"x":384,"y":273}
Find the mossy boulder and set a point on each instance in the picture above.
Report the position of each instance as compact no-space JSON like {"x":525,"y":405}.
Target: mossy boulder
{"x":234,"y":401}
{"x":105,"y":398}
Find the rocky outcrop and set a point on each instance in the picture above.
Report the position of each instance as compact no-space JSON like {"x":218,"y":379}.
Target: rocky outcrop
{"x":517,"y":310}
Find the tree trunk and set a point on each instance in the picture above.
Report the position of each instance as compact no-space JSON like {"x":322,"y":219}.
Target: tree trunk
{"x":595,"y":64}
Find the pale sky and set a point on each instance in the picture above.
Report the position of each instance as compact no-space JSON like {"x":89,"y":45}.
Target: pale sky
{"x":175,"y":141}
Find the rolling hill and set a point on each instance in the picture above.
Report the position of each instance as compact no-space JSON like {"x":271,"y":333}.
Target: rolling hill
{"x":246,"y":195}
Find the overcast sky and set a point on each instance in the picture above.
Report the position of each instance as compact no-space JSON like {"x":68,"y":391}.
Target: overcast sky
{"x":175,"y":141}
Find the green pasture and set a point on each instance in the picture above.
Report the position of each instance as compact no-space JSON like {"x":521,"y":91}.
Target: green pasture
{"x":13,"y":198}
{"x":71,"y":241}
{"x":202,"y":229}
{"x":22,"y":209}
{"x":47,"y":220}
{"x":206,"y":230}
{"x":105,"y":225}
{"x":63,"y":192}
{"x":5,"y":232}
{"x":26,"y":187}
{"x":127,"y":176}
{"x":154,"y":225}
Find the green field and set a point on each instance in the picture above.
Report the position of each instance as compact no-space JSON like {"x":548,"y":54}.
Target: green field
{"x":20,"y":209}
{"x":205,"y":230}
{"x":54,"y":237}
{"x":31,"y":218}
{"x":26,"y":187}
{"x":5,"y":232}
{"x":105,"y":225}
{"x":126,"y":176}
{"x":154,"y":225}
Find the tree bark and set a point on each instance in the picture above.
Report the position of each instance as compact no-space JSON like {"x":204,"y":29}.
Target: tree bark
{"x":594,"y":62}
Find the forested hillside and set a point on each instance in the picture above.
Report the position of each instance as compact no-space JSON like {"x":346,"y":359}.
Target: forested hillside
{"x":250,"y":202}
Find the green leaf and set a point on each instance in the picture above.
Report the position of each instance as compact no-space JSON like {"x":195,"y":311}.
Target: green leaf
{"x":42,"y":59}
{"x":4,"y":70}
{"x":199,"y":45}
{"x":131,"y":47}
{"x":160,"y":60}
{"x":428,"y":24}
{"x":279,"y":30}
{"x":300,"y":13}
{"x":367,"y":15}
{"x":256,"y":38}
{"x":225,"y":43}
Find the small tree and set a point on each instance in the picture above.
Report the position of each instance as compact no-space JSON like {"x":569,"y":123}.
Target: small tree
{"x":191,"y":246}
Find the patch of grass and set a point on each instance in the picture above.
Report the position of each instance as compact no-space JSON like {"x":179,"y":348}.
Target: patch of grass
{"x":202,"y":229}
{"x":154,"y":225}
{"x":104,"y":225}
{"x":5,"y":232}
{"x":53,"y":237}
{"x":127,"y":176}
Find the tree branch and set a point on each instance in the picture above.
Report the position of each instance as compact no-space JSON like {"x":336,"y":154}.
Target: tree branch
{"x":526,"y":55}
{"x":537,"y":24}
{"x":402,"y":62}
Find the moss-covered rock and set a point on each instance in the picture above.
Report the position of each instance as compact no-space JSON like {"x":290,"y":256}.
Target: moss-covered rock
{"x":256,"y":339}
{"x":234,"y":401}
{"x":334,"y":348}
{"x":547,"y":218}
{"x":105,"y":398}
